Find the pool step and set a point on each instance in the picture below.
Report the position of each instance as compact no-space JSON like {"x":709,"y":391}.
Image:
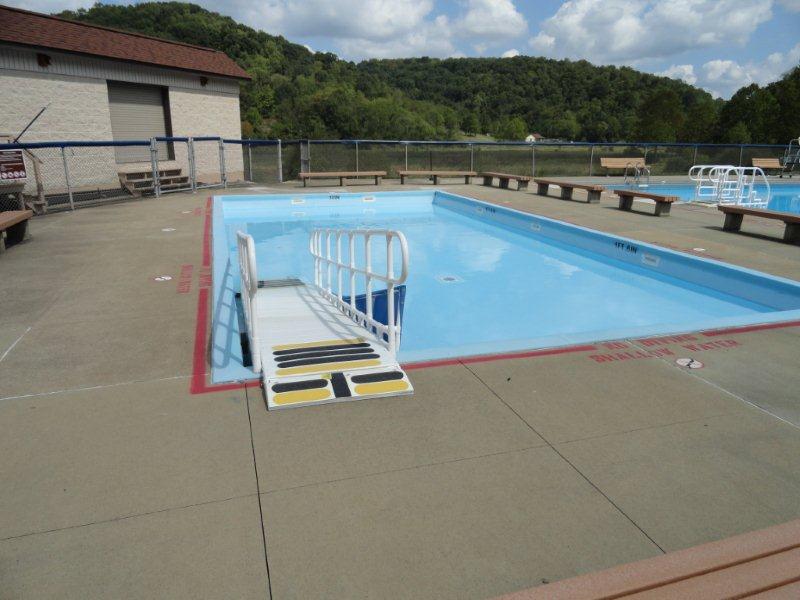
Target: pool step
{"x":311,"y":353}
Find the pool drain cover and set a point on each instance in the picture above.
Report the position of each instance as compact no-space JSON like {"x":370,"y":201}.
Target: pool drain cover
{"x":448,"y":279}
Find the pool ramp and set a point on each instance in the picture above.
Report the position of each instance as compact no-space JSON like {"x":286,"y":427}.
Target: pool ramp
{"x":315,"y":347}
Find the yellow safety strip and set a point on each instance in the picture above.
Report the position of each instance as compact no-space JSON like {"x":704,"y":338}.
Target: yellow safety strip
{"x":381,"y":387}
{"x":302,"y":396}
{"x":355,"y":364}
{"x":315,"y":344}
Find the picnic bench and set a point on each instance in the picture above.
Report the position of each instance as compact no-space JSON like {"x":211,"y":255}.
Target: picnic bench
{"x":504,"y":178}
{"x":663,"y":203}
{"x":342,"y":175}
{"x":436,"y":175}
{"x":767,"y":164}
{"x":13,"y":227}
{"x":734,"y":215}
{"x":621,"y":162}
{"x":593,"y":191}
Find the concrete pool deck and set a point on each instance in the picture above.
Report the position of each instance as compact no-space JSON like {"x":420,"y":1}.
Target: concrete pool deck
{"x":495,"y":476}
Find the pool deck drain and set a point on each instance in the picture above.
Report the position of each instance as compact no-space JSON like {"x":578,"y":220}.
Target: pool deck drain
{"x":119,"y":481}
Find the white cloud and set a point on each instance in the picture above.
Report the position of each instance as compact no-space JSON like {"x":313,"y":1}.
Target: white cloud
{"x":724,"y":77}
{"x":790,"y":5}
{"x":682,"y":72}
{"x":429,"y":38}
{"x":491,"y":20}
{"x":510,"y":53}
{"x":627,"y":31}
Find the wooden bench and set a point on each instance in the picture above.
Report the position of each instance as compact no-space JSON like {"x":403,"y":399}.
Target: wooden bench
{"x":436,"y":175}
{"x":13,"y":227}
{"x":504,"y":178}
{"x":767,"y":164}
{"x":593,"y":191}
{"x":663,"y":203}
{"x":620,"y":162}
{"x":342,"y":175}
{"x":734,"y":215}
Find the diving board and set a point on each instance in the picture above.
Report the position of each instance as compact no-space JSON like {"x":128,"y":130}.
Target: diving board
{"x":313,"y":345}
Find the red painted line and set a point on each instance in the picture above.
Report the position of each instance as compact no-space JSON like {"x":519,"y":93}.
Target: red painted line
{"x":199,"y":381}
{"x":493,"y":357}
{"x":748,"y":328}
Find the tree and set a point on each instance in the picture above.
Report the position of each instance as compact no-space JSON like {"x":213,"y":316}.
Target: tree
{"x":513,"y":129}
{"x":659,"y":116}
{"x":738,"y":134}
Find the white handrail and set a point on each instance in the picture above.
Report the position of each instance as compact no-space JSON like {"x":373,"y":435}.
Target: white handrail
{"x":327,"y":259}
{"x":728,"y":184}
{"x":249,"y":276}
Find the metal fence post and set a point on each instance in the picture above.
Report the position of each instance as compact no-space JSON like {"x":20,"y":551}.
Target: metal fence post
{"x":192,"y":165}
{"x":356,"y":156}
{"x":154,"y":166}
{"x":250,"y":162}
{"x":694,"y":158}
{"x":741,"y":152}
{"x":533,"y":160}
{"x":644,"y":160}
{"x":471,"y":157}
{"x":406,"y":146}
{"x":222,"y":174}
{"x":66,"y":178}
{"x":280,"y":162}
{"x":591,"y":161}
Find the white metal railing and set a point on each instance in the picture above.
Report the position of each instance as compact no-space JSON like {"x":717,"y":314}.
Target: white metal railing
{"x":639,"y":170}
{"x":728,"y":184}
{"x":249,"y":276}
{"x":331,"y":265}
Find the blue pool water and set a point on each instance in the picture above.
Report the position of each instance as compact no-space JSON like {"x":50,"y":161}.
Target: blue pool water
{"x":784,"y":197}
{"x":486,"y":279}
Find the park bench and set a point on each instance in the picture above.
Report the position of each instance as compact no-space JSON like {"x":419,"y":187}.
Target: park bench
{"x":734,"y":215}
{"x":663,"y":203}
{"x":504,"y":178}
{"x":436,"y":175}
{"x":342,"y":175}
{"x":593,"y":191}
{"x":621,"y":162}
{"x":767,"y":164}
{"x":13,"y":227}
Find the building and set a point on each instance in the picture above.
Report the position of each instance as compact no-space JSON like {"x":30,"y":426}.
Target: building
{"x":104,"y":84}
{"x":534,"y":137}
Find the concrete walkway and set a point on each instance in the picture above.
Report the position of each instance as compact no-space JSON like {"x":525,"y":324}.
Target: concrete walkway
{"x":118,"y":482}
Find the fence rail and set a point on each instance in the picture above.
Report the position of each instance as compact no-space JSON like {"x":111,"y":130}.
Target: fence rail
{"x":69,"y":174}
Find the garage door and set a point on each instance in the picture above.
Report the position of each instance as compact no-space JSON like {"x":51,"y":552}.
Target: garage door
{"x":138,"y":112}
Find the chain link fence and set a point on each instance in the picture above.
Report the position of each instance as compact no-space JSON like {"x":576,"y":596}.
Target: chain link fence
{"x":67,"y":175}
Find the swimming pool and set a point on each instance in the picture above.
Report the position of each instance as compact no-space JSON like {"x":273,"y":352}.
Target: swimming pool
{"x":486,"y":279}
{"x":784,"y":197}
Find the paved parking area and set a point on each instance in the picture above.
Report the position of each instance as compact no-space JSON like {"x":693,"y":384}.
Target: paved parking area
{"x":120,"y":482}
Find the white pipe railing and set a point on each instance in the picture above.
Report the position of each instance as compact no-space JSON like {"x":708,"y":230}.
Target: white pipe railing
{"x":727,"y":184}
{"x":249,"y":276}
{"x":331,"y":265}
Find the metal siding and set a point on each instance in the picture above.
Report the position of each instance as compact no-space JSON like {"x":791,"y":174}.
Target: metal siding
{"x":137,"y":112}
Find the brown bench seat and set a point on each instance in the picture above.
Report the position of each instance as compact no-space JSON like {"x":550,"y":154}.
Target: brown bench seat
{"x":621,"y":162}
{"x":734,"y":215}
{"x":436,"y":175}
{"x":13,"y":227}
{"x":663,"y":203}
{"x":342,"y":175}
{"x":593,"y":191}
{"x":767,"y":164}
{"x":504,"y":178}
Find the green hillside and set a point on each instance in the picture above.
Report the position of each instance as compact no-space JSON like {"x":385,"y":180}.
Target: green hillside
{"x":297,"y":93}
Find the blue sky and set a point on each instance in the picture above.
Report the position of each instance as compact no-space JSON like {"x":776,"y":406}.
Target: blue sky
{"x":719,"y":45}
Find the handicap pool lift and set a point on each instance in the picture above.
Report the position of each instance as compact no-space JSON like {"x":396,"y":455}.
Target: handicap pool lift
{"x":315,"y":344}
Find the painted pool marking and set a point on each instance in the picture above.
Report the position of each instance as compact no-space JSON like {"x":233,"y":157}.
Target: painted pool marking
{"x":185,"y":279}
{"x":163,"y":278}
{"x":689,"y":363}
{"x":168,"y":229}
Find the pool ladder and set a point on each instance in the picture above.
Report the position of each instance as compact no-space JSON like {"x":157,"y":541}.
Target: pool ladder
{"x":638,"y":171}
{"x":728,"y":184}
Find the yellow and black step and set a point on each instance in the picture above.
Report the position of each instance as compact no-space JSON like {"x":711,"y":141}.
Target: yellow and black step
{"x":323,"y":356}
{"x":336,"y":386}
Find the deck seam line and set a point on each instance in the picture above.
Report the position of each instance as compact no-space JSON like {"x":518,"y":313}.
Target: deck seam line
{"x":400,"y":470}
{"x":565,"y":459}
{"x":94,"y":387}
{"x":258,"y":492}
{"x":691,"y":372}
{"x":14,"y":343}
{"x":126,"y":517}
